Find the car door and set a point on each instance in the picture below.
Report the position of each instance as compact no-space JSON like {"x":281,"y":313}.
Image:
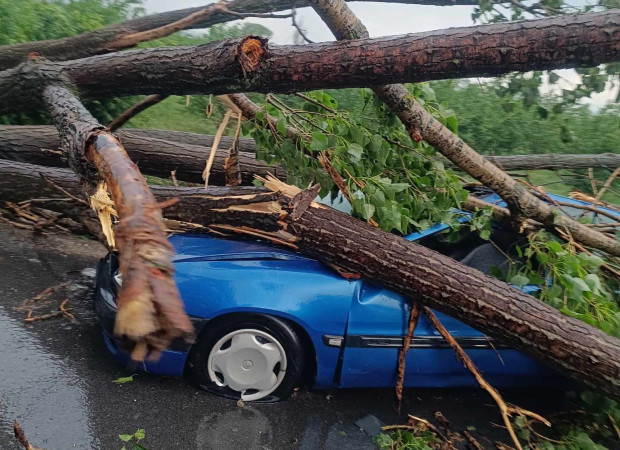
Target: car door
{"x":376,"y":326}
{"x":375,"y":329}
{"x":500,"y":365}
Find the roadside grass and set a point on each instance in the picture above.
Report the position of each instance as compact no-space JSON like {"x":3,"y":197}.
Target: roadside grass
{"x":172,"y":114}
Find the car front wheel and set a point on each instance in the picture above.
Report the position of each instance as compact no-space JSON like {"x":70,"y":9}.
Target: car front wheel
{"x":250,"y":357}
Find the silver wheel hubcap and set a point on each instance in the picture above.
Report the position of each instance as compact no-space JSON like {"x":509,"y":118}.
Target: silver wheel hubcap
{"x":248,"y":360}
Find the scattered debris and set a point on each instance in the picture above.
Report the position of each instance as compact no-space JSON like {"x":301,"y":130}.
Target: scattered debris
{"x":21,"y":436}
{"x":123,"y":380}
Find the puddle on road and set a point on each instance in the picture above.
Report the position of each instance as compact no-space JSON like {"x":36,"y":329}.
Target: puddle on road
{"x":43,"y":393}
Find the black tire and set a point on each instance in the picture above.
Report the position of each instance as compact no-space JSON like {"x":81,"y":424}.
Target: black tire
{"x":285,"y":334}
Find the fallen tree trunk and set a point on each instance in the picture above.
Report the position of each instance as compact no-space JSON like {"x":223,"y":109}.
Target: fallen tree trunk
{"x":104,"y":39}
{"x":551,"y":161}
{"x":567,"y":344}
{"x":422,"y":126}
{"x":22,"y":182}
{"x":153,"y":154}
{"x":249,"y":65}
{"x":36,"y":144}
{"x":150,"y":313}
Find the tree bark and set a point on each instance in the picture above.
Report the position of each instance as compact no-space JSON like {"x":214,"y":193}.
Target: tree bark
{"x":250,"y":65}
{"x":149,"y":149}
{"x":104,"y":39}
{"x":150,"y":313}
{"x":552,"y":161}
{"x":422,"y":126}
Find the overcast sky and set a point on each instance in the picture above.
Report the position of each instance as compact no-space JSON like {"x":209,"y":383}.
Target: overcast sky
{"x":381,"y":19}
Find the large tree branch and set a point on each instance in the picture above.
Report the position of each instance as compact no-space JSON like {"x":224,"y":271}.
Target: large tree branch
{"x":250,"y":65}
{"x":149,"y":149}
{"x":487,"y":304}
{"x":422,"y":126}
{"x":150,"y":312}
{"x":552,"y":161}
{"x":106,"y":39}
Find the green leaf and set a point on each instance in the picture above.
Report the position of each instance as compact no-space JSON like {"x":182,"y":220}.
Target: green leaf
{"x":125,"y":437}
{"x":356,"y":151}
{"x":140,"y":434}
{"x":367,"y":211}
{"x":554,"y":246}
{"x":123,"y":380}
{"x":281,"y":127}
{"x":519,"y":280}
{"x":319,"y":141}
{"x":496,"y":272}
{"x":398,"y":187}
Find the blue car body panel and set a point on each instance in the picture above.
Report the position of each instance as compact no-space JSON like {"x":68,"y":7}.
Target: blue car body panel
{"x":274,"y":282}
{"x":218,"y":277}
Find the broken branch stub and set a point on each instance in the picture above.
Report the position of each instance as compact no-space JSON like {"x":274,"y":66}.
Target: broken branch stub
{"x":150,"y":313}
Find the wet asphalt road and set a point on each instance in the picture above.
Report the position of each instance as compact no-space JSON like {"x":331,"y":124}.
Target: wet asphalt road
{"x":56,"y":380}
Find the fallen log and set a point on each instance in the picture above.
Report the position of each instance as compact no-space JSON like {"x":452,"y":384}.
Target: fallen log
{"x":248,"y":64}
{"x":36,"y":144}
{"x":153,"y":154}
{"x":291,"y":218}
{"x":103,"y":40}
{"x":21,"y":182}
{"x":551,"y":161}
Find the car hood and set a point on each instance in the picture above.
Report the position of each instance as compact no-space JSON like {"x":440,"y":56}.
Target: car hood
{"x":204,"y":248}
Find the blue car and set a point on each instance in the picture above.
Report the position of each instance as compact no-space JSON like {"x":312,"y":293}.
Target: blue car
{"x":268,"y":320}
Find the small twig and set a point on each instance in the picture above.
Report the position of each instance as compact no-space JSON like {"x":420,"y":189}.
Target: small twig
{"x":47,"y":316}
{"x":21,"y":213}
{"x":607,"y":183}
{"x":135,"y":110}
{"x":414,"y":315}
{"x":590,"y":208}
{"x":414,"y":419}
{"x":315,"y":102}
{"x":45,"y":293}
{"x":472,"y":440}
{"x":301,"y":32}
{"x":173,"y":176}
{"x":592,"y":181}
{"x":335,"y":176}
{"x":614,"y":425}
{"x":216,"y":142}
{"x":133,"y":39}
{"x":505,"y":410}
{"x":64,"y":191}
{"x":65,"y":311}
{"x":16,"y":224}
